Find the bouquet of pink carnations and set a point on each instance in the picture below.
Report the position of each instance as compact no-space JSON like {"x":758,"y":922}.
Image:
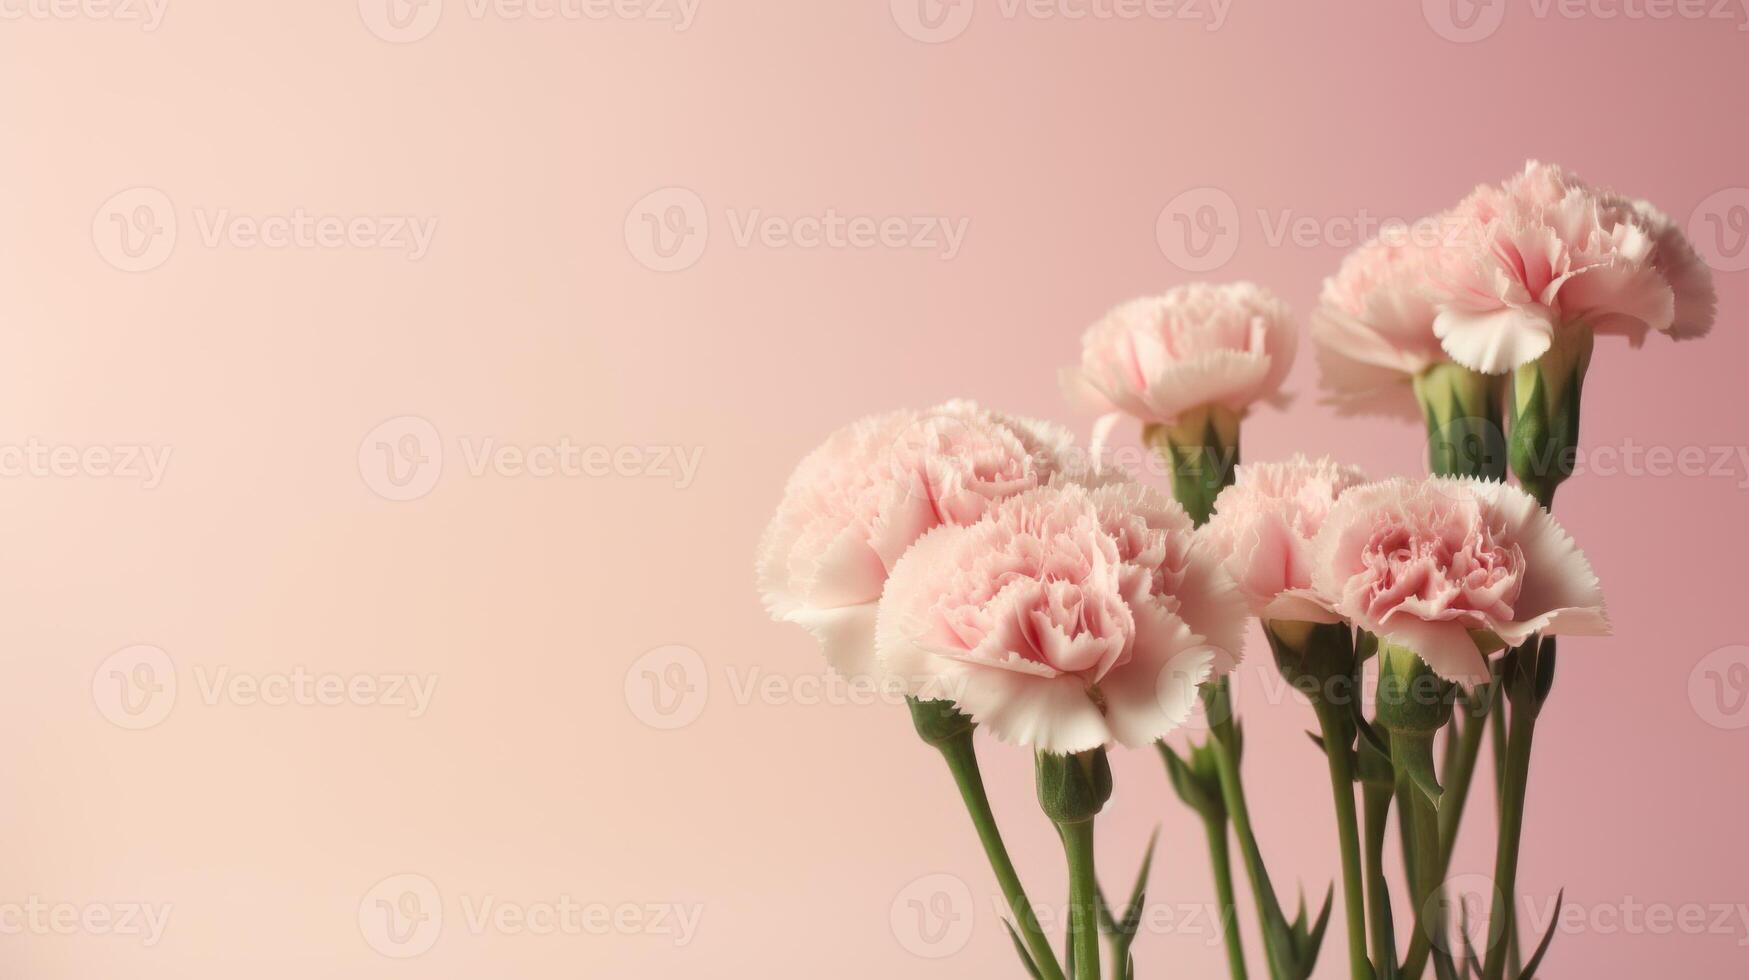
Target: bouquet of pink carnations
{"x":1002,"y":579}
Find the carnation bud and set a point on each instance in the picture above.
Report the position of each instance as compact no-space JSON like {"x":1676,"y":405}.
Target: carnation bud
{"x":1544,"y":409}
{"x":1073,"y":788}
{"x":1314,"y":657}
{"x":938,"y":722}
{"x":1465,"y":434}
{"x":1201,"y":451}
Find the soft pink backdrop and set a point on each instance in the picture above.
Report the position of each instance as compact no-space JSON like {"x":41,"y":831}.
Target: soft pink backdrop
{"x":534,"y":315}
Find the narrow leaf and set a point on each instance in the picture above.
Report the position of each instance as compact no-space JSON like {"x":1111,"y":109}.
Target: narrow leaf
{"x":1020,"y":947}
{"x":1536,"y":958}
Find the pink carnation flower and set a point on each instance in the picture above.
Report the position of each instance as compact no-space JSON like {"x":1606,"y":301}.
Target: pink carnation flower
{"x":857,"y":503}
{"x":1544,"y":253}
{"x":1373,"y":326}
{"x":1432,"y":565}
{"x":1198,"y":345}
{"x":1262,"y":532}
{"x":1068,"y":618}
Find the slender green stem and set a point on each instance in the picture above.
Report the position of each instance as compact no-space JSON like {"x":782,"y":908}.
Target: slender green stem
{"x":1223,"y":867}
{"x":1423,"y":820}
{"x":1521,"y":732}
{"x":1083,"y":897}
{"x":1405,"y":839}
{"x":1337,"y":739}
{"x":1377,"y":801}
{"x":1233,"y":796}
{"x":962,"y":761}
{"x":1459,"y":778}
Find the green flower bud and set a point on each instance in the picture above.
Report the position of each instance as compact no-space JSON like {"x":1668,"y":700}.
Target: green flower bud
{"x":1465,"y":433}
{"x":1073,"y":788}
{"x":1316,"y":658}
{"x":1201,"y":450}
{"x":939,"y":721}
{"x":1544,"y":410}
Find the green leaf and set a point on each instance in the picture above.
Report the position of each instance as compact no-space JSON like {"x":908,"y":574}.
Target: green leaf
{"x":1132,"y":918}
{"x":1315,"y":940}
{"x":1413,"y":755}
{"x":1020,"y":947}
{"x":1536,"y":958}
{"x":1125,"y":931}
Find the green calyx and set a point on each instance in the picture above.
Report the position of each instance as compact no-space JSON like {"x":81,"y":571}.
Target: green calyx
{"x":1543,"y":441}
{"x":1414,"y":703}
{"x":1196,"y":778}
{"x":938,"y":722}
{"x":1201,"y":450}
{"x":1316,"y":658}
{"x":1465,"y":433}
{"x":1073,"y":788}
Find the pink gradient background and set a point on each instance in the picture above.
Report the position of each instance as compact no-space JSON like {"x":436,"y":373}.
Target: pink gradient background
{"x":793,"y":826}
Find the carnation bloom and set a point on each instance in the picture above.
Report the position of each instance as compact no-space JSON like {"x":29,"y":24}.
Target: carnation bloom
{"x":1198,"y":345}
{"x":1439,"y":566}
{"x":857,"y":503}
{"x":1545,"y":254}
{"x":1068,"y":618}
{"x":1262,"y":532}
{"x":1373,"y":326}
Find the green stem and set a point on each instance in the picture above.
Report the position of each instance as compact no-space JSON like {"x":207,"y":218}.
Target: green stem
{"x":1337,"y":739}
{"x":1461,"y":773}
{"x":962,"y":761}
{"x":1223,"y":867}
{"x":1083,"y":897}
{"x":1378,"y":898}
{"x":1423,"y":820}
{"x":1221,"y":728}
{"x":1521,"y":733}
{"x":1405,"y":838}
